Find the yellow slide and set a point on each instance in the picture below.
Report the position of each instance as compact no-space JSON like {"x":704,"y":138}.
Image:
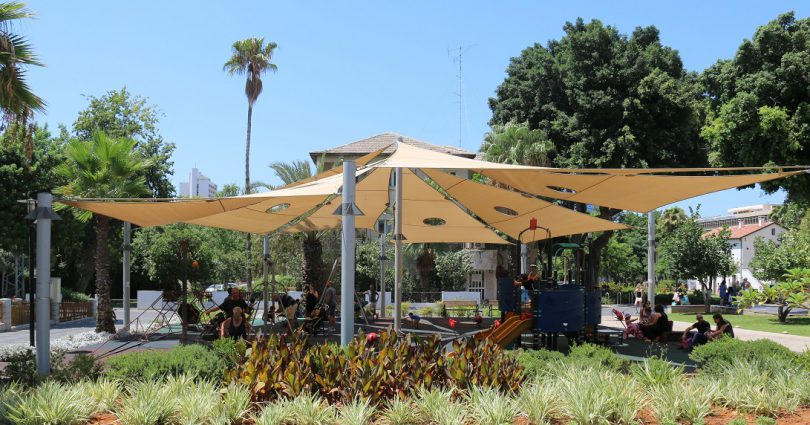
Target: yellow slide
{"x":510,"y":330}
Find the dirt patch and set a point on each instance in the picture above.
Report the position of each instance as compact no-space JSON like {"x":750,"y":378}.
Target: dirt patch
{"x":103,"y":419}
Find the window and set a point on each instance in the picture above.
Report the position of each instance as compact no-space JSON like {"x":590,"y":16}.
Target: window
{"x":476,"y":283}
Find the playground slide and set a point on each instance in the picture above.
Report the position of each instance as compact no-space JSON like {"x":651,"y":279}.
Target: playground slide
{"x":510,"y":317}
{"x":504,"y":335}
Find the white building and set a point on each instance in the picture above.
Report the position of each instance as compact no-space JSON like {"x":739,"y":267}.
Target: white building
{"x":746,"y":225}
{"x":198,"y":186}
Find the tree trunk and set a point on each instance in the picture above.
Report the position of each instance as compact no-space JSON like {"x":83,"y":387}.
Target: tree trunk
{"x":312,"y":270}
{"x":104,"y":318}
{"x":425,"y":265}
{"x":249,"y":242}
{"x":593,"y":259}
{"x":783,"y":313}
{"x":707,"y":296}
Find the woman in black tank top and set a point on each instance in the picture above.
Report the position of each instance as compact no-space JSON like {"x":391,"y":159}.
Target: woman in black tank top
{"x":236,"y":327}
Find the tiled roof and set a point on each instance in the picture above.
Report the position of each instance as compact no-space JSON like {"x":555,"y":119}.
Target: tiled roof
{"x":738,"y":232}
{"x":373,"y":143}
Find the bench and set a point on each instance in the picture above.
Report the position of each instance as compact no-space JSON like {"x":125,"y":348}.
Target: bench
{"x":461,"y":305}
{"x":723,"y":309}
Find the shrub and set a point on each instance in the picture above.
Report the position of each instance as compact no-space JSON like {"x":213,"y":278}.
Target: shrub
{"x":82,"y":366}
{"x":539,"y":402}
{"x":539,"y":362}
{"x":276,"y":413}
{"x":399,"y":412}
{"x":714,"y":356}
{"x":357,"y":412}
{"x":488,"y":407}
{"x":232,"y":351}
{"x":764,"y":420}
{"x":738,"y":421}
{"x":146,"y":403}
{"x":191,"y":360}
{"x":50,"y":403}
{"x":425,"y":311}
{"x":757,"y":386}
{"x":681,"y":401}
{"x":21,"y":367}
{"x":71,"y":295}
{"x":655,"y":372}
{"x":595,"y":395}
{"x":591,"y":355}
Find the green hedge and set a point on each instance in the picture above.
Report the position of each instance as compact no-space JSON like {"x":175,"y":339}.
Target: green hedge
{"x":716,"y":355}
{"x":191,"y":360}
{"x":540,"y":362}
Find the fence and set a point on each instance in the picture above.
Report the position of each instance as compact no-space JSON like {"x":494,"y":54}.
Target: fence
{"x":69,"y":310}
{"x":72,"y":310}
{"x":19,"y":313}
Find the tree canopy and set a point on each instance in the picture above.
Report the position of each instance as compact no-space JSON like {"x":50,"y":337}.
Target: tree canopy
{"x":604,"y":99}
{"x":759,"y":103}
{"x":120,"y":114}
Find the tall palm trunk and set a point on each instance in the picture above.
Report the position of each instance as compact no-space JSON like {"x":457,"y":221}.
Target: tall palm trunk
{"x":104,"y":317}
{"x":249,"y":242}
{"x":312,"y":269}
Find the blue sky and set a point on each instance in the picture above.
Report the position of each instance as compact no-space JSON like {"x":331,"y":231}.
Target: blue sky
{"x":347,"y":70}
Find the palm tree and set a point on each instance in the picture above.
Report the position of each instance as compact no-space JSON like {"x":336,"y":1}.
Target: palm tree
{"x":17,"y":101}
{"x":251,"y":57}
{"x":288,"y":173}
{"x":517,"y":144}
{"x":670,"y":220}
{"x":102,"y":168}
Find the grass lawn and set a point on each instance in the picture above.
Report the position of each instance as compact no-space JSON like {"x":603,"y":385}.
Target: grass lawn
{"x":794,"y":325}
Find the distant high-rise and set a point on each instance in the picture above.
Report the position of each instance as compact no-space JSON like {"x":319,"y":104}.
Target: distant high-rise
{"x":198,"y":186}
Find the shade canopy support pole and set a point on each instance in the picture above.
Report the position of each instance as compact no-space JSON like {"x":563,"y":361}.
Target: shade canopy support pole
{"x":398,"y":250}
{"x":43,"y":215}
{"x":651,"y":257}
{"x":382,"y":269}
{"x":347,"y":253}
{"x":127,"y":251}
{"x":524,"y":258}
{"x":266,"y":288}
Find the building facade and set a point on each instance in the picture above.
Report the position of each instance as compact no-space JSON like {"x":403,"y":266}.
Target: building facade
{"x":198,"y":186}
{"x":746,"y":224}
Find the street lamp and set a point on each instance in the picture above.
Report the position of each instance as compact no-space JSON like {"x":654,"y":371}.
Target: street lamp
{"x":31,"y":206}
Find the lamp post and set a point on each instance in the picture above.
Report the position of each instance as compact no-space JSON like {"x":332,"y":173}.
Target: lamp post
{"x":383,"y":220}
{"x":31,"y":205}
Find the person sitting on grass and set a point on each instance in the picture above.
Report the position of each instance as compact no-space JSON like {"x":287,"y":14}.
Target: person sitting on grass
{"x":657,"y":323}
{"x":695,"y":334}
{"x":723,"y":327}
{"x":236,"y":326}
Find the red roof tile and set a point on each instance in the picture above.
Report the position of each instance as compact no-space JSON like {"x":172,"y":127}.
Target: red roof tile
{"x":738,"y":232}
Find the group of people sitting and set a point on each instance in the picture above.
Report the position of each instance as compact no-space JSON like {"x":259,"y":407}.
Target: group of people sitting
{"x":701,"y":331}
{"x":650,"y":324}
{"x":236,"y":310}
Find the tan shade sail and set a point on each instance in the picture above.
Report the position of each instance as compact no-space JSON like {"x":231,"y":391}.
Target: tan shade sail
{"x":510,"y":212}
{"x":640,"y":193}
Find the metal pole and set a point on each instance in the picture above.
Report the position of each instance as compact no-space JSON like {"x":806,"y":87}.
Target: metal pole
{"x":651,"y":257}
{"x":382,"y":269}
{"x":43,"y":308}
{"x":524,"y":258}
{"x":127,"y":248}
{"x":398,"y":251}
{"x":347,"y":255}
{"x":32,"y":282}
{"x":266,"y":290}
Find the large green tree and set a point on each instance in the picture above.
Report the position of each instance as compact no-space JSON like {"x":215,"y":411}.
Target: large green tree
{"x":604,"y":99}
{"x":250,"y":57}
{"x":102,"y":167}
{"x":690,"y":254}
{"x":17,"y":101}
{"x":120,"y":114}
{"x":517,"y":144}
{"x":759,"y":103}
{"x":156,"y":254}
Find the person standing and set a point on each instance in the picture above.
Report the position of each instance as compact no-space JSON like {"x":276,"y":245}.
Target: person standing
{"x":310,"y":299}
{"x":230,"y":302}
{"x":723,"y":293}
{"x":639,"y":292}
{"x":329,"y":301}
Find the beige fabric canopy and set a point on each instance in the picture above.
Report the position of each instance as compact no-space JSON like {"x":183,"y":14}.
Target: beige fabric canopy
{"x":454,"y":210}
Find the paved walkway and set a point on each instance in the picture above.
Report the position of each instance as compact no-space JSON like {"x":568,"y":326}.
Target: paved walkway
{"x":794,"y":342}
{"x":60,"y":330}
